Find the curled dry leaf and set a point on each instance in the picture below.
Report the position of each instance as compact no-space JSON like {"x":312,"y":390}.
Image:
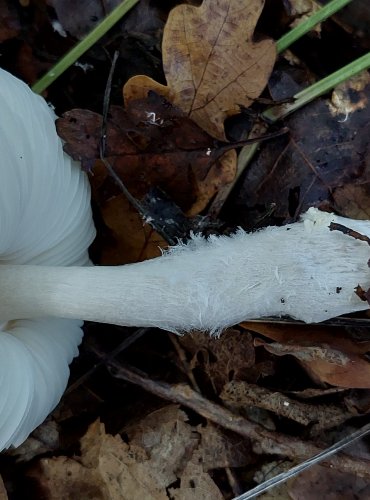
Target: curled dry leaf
{"x":328,"y":355}
{"x":163,"y":451}
{"x":211,"y":63}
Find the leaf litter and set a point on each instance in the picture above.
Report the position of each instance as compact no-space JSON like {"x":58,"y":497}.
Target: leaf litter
{"x":244,"y":396}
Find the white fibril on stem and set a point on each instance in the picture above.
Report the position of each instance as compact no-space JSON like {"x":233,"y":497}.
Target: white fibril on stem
{"x":302,"y":270}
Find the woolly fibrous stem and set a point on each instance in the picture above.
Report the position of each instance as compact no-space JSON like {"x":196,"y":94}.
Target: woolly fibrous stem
{"x":302,"y":270}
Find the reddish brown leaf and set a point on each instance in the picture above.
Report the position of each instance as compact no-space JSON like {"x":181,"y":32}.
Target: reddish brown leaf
{"x":327,"y":354}
{"x":152,"y":143}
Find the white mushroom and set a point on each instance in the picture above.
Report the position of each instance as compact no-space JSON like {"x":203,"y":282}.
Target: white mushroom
{"x":45,"y":218}
{"x":302,"y":270}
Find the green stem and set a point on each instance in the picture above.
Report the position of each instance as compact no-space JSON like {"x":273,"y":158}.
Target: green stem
{"x":317,"y":89}
{"x":328,"y":10}
{"x":85,"y":44}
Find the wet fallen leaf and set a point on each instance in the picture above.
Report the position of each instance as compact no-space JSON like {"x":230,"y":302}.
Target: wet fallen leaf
{"x":151,"y":143}
{"x":328,"y":167}
{"x":9,"y":22}
{"x":327,"y":354}
{"x":87,"y":14}
{"x":355,"y":19}
{"x":211,"y":63}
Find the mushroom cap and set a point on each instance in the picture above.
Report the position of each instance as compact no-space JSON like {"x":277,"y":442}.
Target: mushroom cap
{"x":45,"y":219}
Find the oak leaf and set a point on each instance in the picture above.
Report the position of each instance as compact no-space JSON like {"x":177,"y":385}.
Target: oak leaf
{"x":211,"y":63}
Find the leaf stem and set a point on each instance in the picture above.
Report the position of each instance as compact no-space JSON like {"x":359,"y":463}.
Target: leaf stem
{"x":71,"y":57}
{"x":294,"y":34}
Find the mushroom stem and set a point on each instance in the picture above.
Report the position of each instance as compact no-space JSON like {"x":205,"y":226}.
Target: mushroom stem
{"x":302,"y":270}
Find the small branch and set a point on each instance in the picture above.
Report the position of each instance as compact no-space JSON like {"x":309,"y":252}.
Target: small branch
{"x":334,"y":226}
{"x":105,"y":358}
{"x":284,"y":476}
{"x":241,"y":394}
{"x":264,"y":440}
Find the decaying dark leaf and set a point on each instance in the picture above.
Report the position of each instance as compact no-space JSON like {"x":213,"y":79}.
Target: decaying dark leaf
{"x":151,"y":143}
{"x":324,"y":161}
{"x":9,"y":22}
{"x":229,"y":357}
{"x":86,"y":14}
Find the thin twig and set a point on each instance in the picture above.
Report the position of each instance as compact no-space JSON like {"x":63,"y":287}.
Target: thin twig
{"x":108,"y":357}
{"x":86,"y":43}
{"x":102,"y":153}
{"x":323,"y":455}
{"x":264,"y":440}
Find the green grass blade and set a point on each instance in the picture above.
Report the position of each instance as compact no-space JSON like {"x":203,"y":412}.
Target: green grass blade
{"x":85,"y":44}
{"x":317,"y":89}
{"x":328,"y":10}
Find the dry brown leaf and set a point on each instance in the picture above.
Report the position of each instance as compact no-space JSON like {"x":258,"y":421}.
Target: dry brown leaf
{"x":352,"y":200}
{"x":196,"y":484}
{"x":211,"y":63}
{"x":327,"y":354}
{"x":164,"y":450}
{"x":167,"y":439}
{"x":220,"y":449}
{"x":108,"y":469}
